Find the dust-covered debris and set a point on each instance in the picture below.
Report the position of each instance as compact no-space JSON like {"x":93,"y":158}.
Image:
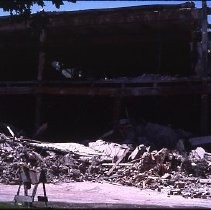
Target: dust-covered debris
{"x":185,"y":174}
{"x":154,"y":135}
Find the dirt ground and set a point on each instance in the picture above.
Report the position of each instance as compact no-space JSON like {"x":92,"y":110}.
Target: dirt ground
{"x":90,"y":194}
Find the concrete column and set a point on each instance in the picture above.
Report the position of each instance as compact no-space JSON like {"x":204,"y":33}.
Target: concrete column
{"x":204,"y":114}
{"x":41,"y":66}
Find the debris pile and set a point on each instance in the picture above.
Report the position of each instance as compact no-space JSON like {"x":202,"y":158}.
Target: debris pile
{"x":156,"y":135}
{"x":164,"y":170}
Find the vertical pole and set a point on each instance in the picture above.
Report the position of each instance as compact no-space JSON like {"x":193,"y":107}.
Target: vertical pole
{"x":38,"y":110}
{"x":204,"y":38}
{"x":204,"y":114}
{"x":44,"y":190}
{"x":25,"y":194}
{"x":117,"y":110}
{"x":41,"y":59}
{"x":34,"y":191}
{"x":204,"y":97}
{"x":41,"y":66}
{"x":159,"y":43}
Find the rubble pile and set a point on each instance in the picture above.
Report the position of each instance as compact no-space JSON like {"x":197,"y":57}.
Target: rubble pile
{"x":164,"y":170}
{"x":167,"y":171}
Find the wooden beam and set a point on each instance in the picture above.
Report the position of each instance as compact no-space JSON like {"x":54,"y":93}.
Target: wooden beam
{"x":109,"y":83}
{"x":127,"y":91}
{"x":17,"y":90}
{"x":108,"y":91}
{"x":124,"y":16}
{"x":182,"y":13}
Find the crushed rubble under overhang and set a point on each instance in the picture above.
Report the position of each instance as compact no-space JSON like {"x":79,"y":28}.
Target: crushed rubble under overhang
{"x":186,"y":174}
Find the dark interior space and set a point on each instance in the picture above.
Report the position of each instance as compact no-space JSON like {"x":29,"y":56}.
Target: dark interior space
{"x":119,"y":54}
{"x":175,"y":111}
{"x":18,"y":111}
{"x":19,"y":56}
{"x":124,"y":59}
{"x":78,"y":118}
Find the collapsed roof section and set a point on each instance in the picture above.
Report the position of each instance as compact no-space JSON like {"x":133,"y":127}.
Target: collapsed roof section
{"x":114,"y":42}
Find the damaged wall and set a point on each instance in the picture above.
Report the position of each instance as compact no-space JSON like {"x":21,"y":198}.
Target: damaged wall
{"x":113,"y":43}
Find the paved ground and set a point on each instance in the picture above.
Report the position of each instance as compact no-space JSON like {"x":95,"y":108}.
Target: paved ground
{"x":89,"y":194}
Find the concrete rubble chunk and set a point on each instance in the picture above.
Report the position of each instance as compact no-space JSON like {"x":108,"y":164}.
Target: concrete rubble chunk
{"x":207,"y":156}
{"x":179,"y":184}
{"x":166,"y":176}
{"x":205,"y":181}
{"x":198,"y":153}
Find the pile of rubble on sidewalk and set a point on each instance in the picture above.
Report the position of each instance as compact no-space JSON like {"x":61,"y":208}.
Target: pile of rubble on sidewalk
{"x":166,"y":170}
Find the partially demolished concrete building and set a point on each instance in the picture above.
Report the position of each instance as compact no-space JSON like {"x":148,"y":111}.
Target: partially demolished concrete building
{"x":143,"y":63}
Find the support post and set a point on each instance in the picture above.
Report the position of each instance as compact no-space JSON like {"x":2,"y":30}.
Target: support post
{"x":41,"y":58}
{"x":38,"y":112}
{"x":204,"y":39}
{"x":204,"y":114}
{"x":44,"y":191}
{"x":117,"y":110}
{"x":41,"y":66}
